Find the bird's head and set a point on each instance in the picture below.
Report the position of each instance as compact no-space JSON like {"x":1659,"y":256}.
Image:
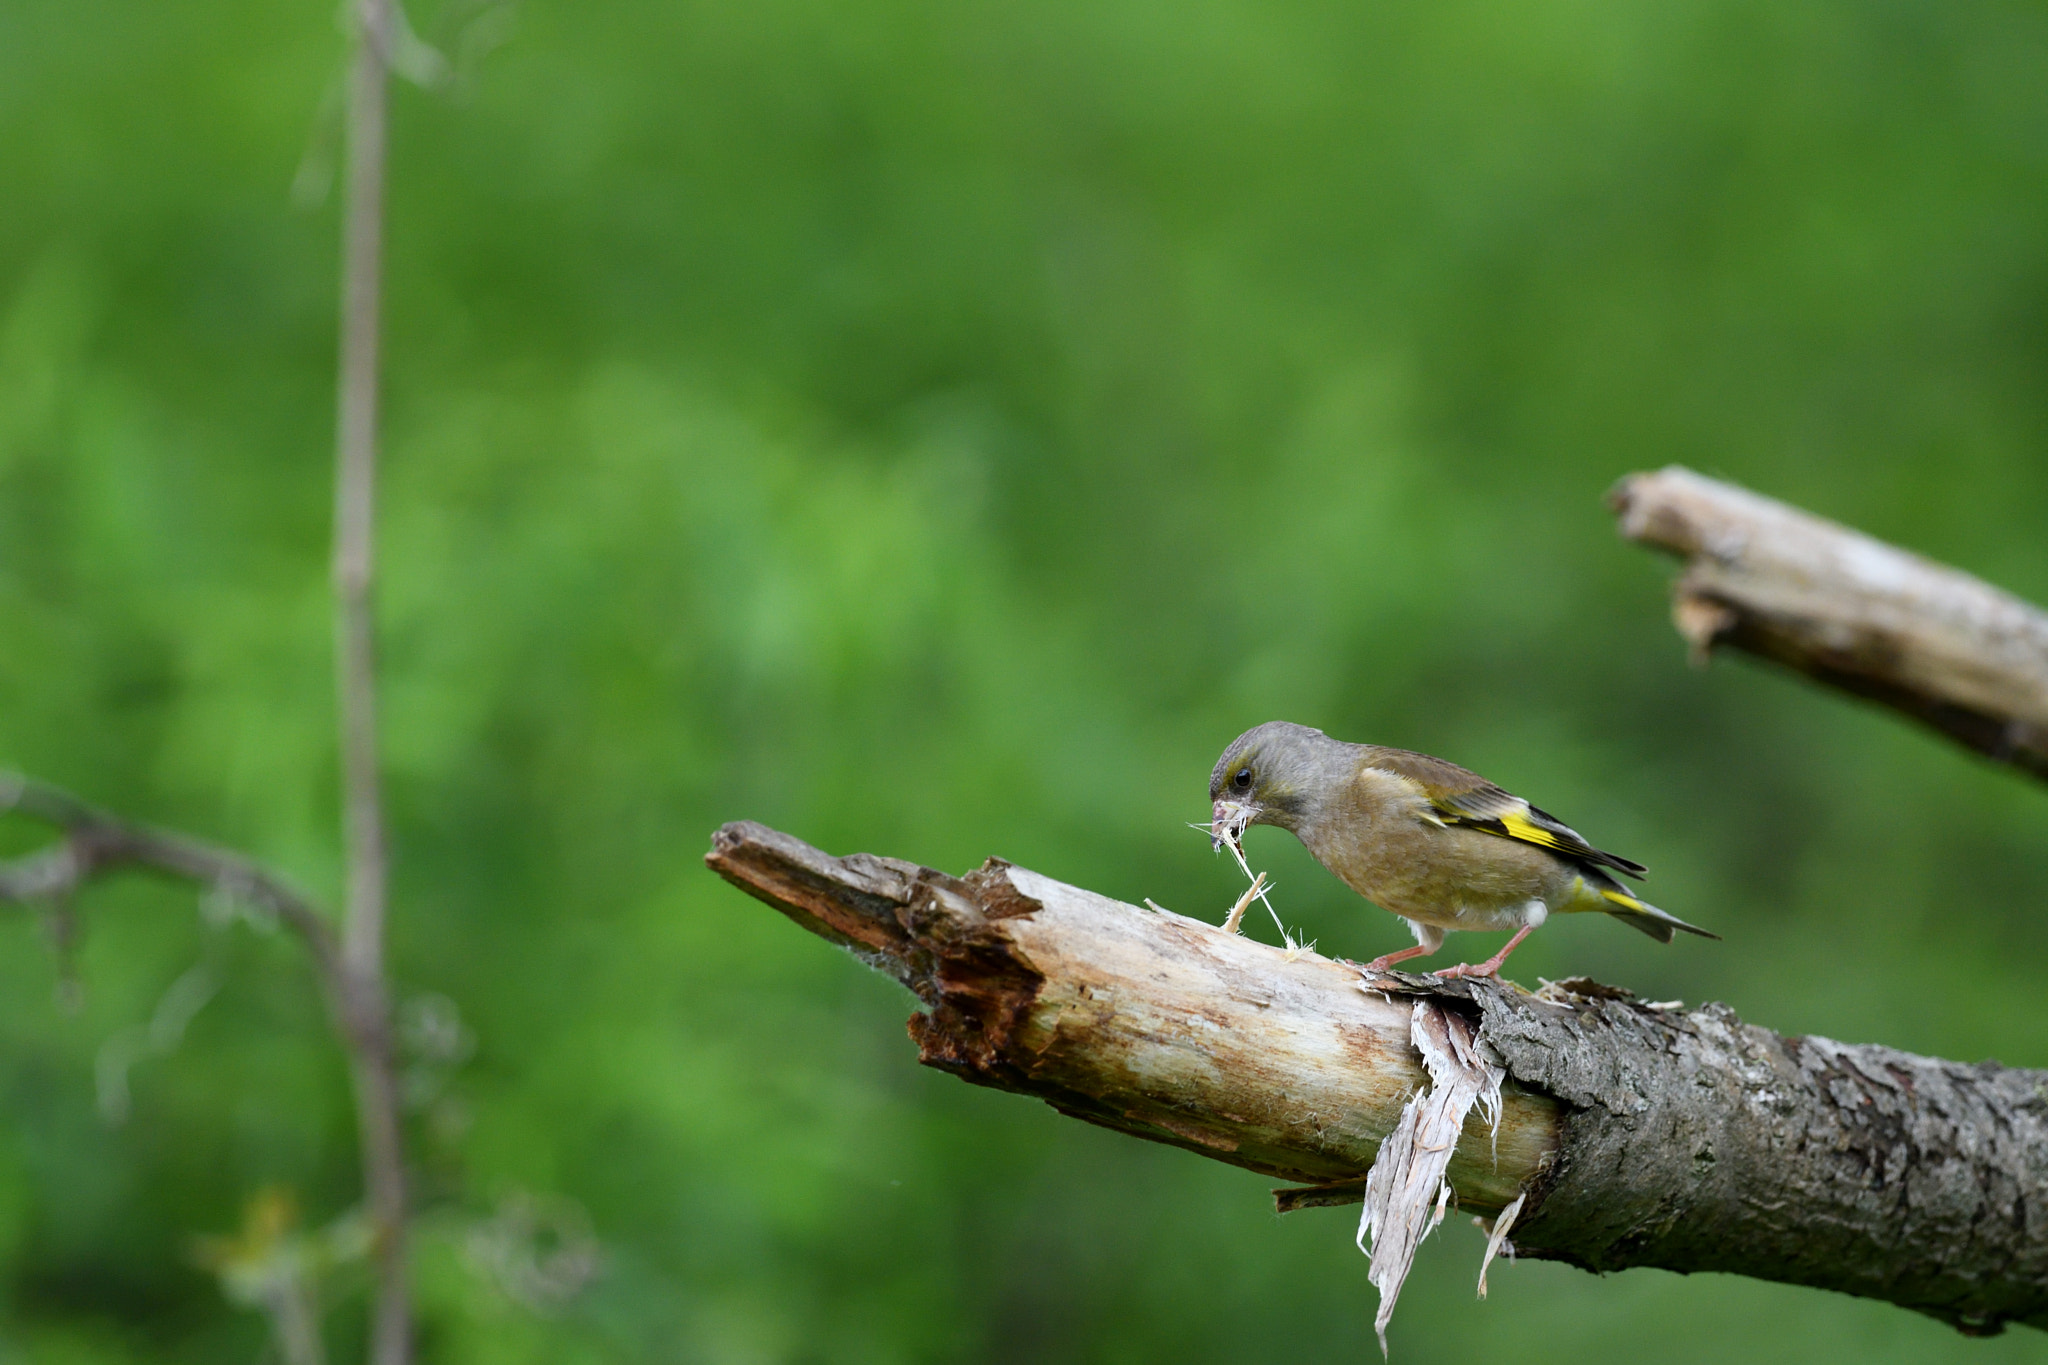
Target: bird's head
{"x":1268,"y":776}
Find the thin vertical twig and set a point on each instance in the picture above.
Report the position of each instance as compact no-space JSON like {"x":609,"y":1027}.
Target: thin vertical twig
{"x":366,"y":998}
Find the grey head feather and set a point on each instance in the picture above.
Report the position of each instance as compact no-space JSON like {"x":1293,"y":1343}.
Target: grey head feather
{"x":1293,"y":769}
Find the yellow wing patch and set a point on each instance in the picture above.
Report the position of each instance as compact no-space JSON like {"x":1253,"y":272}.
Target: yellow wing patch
{"x":1521,"y":827}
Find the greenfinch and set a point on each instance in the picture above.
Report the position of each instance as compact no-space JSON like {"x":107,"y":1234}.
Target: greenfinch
{"x":1436,"y":844}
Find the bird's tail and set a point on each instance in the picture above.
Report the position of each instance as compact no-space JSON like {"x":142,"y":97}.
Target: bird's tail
{"x":1638,"y":914}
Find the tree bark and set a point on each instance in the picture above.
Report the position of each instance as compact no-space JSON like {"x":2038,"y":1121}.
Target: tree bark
{"x":1642,"y":1136}
{"x":1945,"y":648}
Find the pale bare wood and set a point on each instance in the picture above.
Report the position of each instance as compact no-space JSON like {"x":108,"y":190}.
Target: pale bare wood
{"x":1946,"y":648}
{"x":1140,"y":1020}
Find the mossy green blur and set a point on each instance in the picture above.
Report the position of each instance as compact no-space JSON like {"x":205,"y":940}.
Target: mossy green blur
{"x":931,"y":429}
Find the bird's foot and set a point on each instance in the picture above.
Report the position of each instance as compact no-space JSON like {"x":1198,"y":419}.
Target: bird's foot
{"x":1490,"y":967}
{"x":1380,"y":964}
{"x":1480,"y":969}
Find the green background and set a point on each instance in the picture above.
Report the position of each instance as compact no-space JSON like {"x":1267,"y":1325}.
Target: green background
{"x":936,"y":429}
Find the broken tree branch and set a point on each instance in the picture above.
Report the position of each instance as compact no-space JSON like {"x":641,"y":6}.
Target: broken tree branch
{"x":1947,"y":649}
{"x":1640,"y":1137}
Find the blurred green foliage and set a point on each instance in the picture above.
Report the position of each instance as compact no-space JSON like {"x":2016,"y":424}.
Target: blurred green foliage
{"x":936,"y":429}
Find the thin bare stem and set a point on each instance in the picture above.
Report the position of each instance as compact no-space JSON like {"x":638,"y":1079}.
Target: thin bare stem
{"x":355,"y":496}
{"x":366,"y":996}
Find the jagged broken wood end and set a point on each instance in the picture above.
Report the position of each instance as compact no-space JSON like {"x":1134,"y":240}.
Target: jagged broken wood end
{"x":1140,"y":1020}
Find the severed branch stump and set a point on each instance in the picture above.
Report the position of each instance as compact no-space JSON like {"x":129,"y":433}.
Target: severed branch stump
{"x":1683,"y":1139}
{"x":1843,"y":608}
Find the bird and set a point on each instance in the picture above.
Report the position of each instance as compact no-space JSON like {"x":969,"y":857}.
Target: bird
{"x":1436,"y":844}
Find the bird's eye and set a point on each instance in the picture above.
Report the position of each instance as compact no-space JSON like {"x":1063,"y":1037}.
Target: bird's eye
{"x":1243,"y":780}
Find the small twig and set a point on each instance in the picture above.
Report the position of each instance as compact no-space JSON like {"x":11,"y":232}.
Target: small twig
{"x":161,"y":1036}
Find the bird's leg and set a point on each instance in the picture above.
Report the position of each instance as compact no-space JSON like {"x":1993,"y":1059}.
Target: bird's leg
{"x":1490,"y":967}
{"x":1380,"y":964}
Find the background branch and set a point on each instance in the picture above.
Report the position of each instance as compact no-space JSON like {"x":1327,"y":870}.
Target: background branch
{"x":97,"y":841}
{"x":1684,"y":1139}
{"x":1942,"y":646}
{"x":365,"y":995}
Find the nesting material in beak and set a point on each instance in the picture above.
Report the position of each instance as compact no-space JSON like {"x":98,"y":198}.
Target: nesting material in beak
{"x":1232,"y":818}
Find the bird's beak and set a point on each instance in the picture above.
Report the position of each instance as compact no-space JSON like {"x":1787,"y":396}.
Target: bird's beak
{"x":1230,"y":822}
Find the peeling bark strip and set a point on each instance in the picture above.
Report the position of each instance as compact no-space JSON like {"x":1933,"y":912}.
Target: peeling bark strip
{"x":1405,"y":1193}
{"x":1946,"y":648}
{"x":1681,"y":1139}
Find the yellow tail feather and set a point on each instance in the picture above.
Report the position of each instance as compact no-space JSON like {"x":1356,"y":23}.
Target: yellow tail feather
{"x":1658,"y":924}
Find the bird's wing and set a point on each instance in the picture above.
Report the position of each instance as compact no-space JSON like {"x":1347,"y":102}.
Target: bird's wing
{"x":1459,"y":796}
